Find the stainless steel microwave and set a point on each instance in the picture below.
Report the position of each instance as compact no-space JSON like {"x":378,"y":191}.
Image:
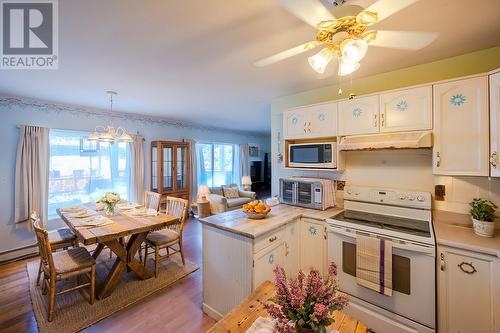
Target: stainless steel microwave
{"x":312,"y":155}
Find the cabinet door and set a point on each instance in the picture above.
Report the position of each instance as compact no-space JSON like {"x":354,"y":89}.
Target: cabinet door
{"x":495,"y":124}
{"x":406,"y":110}
{"x":466,"y":294}
{"x":265,"y":261}
{"x":312,"y":245}
{"x":358,"y":116}
{"x":181,"y":168}
{"x":295,"y":124}
{"x":292,"y":248}
{"x":167,"y":167}
{"x":461,"y":128}
{"x":323,"y":120}
{"x":154,"y":168}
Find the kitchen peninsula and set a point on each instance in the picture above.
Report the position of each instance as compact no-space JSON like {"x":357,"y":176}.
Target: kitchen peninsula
{"x":239,"y":253}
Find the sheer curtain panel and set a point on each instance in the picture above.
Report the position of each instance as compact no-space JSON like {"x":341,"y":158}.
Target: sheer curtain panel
{"x":136,"y":187}
{"x":32,"y":173}
{"x":193,"y":191}
{"x":244,"y":163}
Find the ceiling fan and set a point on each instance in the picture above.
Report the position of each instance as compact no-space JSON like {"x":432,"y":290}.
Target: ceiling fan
{"x":347,"y":38}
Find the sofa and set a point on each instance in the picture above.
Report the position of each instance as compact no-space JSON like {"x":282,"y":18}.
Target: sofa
{"x":220,"y":204}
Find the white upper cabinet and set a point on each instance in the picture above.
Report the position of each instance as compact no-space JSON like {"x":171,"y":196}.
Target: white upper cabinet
{"x":359,"y":116}
{"x":461,"y":138}
{"x":310,"y":122}
{"x":495,"y":124}
{"x":406,"y":110}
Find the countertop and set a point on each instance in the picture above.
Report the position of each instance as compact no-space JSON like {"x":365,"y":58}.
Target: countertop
{"x":237,"y":222}
{"x":454,"y":229}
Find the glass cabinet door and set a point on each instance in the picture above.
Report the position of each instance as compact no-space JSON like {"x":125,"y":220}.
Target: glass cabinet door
{"x":167,"y":169}
{"x":181,"y":168}
{"x":154,"y":169}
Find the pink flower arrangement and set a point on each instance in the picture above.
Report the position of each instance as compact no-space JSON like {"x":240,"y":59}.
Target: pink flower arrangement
{"x":306,"y":301}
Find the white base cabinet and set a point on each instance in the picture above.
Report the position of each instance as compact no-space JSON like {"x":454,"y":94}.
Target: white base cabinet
{"x":468,"y":285}
{"x":234,"y":265}
{"x":313,"y":245}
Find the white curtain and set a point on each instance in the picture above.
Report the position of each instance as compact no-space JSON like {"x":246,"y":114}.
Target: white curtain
{"x":244,"y":163}
{"x":193,"y":159}
{"x":32,"y":173}
{"x":136,"y":188}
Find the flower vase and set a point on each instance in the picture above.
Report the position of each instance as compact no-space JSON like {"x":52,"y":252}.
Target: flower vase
{"x":110,"y":209}
{"x":302,"y":329}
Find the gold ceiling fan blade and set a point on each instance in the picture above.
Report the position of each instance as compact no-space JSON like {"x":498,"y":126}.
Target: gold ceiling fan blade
{"x":286,"y":54}
{"x":386,"y":8}
{"x":310,"y":11}
{"x":406,"y":40}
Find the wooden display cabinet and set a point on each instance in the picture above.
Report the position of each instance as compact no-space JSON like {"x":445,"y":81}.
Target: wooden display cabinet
{"x":170,"y":169}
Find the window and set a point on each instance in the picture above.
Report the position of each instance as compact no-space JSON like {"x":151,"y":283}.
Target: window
{"x":217,"y":164}
{"x":81,"y":171}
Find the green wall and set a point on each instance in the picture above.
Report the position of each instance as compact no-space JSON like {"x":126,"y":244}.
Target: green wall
{"x":462,"y":65}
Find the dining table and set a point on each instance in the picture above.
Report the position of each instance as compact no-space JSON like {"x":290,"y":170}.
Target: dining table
{"x":111,"y":232}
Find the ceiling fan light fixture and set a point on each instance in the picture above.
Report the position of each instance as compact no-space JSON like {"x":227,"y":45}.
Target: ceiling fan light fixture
{"x":320,"y":60}
{"x":346,"y":68}
{"x":353,"y":50}
{"x":369,"y":36}
{"x":125,"y":137}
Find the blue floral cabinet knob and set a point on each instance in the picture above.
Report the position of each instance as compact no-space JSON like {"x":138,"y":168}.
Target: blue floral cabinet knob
{"x":321,"y":117}
{"x":458,"y":99}
{"x":295,"y":120}
{"x":402,"y":105}
{"x":313,"y":230}
{"x":357,"y":112}
{"x":270,"y":260}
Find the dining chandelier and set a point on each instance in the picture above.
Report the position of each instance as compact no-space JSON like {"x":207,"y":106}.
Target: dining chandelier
{"x":110,"y":133}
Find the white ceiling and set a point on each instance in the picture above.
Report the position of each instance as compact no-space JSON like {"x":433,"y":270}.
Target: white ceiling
{"x":193,"y":60}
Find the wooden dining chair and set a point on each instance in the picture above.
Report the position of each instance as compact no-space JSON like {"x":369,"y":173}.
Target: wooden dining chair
{"x":59,"y":239}
{"x":170,"y":237}
{"x":61,"y":265}
{"x":152,"y":200}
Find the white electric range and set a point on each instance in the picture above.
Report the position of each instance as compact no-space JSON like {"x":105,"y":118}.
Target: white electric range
{"x":404,"y":218}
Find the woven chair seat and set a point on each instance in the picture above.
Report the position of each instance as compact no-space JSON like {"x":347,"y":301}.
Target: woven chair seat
{"x":72,"y":260}
{"x":162,"y":237}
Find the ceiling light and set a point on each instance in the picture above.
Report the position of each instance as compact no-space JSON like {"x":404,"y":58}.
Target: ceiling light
{"x":353,"y":50}
{"x":320,"y":60}
{"x":346,"y":68}
{"x":109,"y":133}
{"x":366,"y":18}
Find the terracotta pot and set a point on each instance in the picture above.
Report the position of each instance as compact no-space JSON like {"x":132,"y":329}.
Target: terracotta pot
{"x":483,"y":228}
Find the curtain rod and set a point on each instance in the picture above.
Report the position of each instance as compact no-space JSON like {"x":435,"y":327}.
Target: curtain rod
{"x":63,"y":129}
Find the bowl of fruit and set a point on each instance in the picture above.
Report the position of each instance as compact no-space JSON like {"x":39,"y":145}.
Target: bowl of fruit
{"x":256,"y":210}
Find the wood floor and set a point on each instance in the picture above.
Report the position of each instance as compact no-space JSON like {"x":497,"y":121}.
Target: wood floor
{"x":173,"y":309}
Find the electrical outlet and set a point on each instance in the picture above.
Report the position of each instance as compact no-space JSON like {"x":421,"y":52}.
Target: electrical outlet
{"x":439,"y":192}
{"x":340,"y":185}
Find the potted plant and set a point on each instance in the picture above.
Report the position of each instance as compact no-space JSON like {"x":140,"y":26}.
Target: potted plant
{"x":306,"y":303}
{"x":483,"y":214}
{"x":110,"y":199}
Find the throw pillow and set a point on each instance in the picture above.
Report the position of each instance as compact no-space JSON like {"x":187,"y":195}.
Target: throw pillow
{"x":217,"y":190}
{"x":231,"y":192}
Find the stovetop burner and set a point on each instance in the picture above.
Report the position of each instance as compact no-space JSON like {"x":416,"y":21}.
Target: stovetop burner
{"x":386,"y":222}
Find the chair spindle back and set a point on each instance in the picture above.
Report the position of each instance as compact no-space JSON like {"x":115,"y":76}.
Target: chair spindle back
{"x":152,"y":200}
{"x":42,"y":238}
{"x":177,"y":207}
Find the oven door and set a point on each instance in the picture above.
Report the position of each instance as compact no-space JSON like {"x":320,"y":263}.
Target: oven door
{"x":312,"y":155}
{"x":413,"y":268}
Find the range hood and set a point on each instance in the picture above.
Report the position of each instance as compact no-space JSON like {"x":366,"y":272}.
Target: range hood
{"x":401,"y":140}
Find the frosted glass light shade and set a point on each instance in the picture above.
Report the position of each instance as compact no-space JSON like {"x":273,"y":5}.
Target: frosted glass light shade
{"x":353,"y":50}
{"x":94,"y":136}
{"x":125,"y":137}
{"x":346,"y":68}
{"x":320,"y":60}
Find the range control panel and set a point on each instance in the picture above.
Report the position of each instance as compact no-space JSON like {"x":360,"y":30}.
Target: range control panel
{"x":387,"y":196}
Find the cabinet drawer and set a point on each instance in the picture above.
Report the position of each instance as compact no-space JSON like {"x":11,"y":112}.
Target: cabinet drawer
{"x":273,"y":237}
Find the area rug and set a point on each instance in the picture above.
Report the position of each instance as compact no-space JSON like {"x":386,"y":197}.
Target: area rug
{"x":73,"y":311}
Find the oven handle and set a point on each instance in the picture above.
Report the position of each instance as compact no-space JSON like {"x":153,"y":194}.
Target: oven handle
{"x":403,"y":245}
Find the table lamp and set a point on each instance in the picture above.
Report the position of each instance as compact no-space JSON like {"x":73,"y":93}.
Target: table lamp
{"x":203,"y":190}
{"x":246,"y":181}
